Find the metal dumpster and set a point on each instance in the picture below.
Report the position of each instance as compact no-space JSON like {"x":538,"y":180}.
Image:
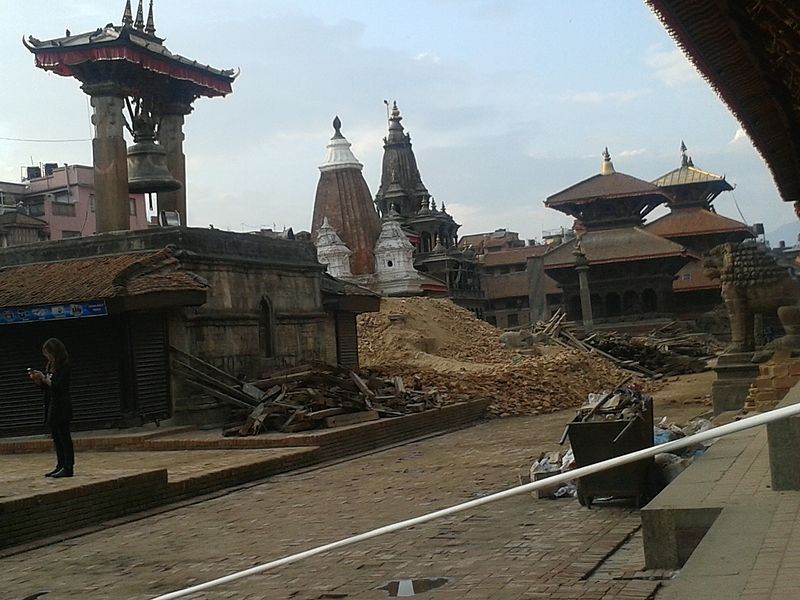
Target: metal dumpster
{"x":608,"y":437}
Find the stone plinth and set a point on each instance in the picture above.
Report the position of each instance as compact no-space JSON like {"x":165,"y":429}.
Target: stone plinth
{"x":735,"y":373}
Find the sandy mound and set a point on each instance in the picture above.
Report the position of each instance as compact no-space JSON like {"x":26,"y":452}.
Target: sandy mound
{"x":434,"y":343}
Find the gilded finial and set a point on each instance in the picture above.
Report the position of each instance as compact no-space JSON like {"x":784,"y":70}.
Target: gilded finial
{"x":139,"y":22}
{"x":607,"y":168}
{"x":127,"y":16}
{"x":151,"y":26}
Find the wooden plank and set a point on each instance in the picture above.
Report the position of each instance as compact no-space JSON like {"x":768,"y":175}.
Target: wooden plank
{"x":208,"y":366}
{"x":218,"y":394}
{"x":325,"y":413}
{"x":352,"y":418}
{"x":214,"y":382}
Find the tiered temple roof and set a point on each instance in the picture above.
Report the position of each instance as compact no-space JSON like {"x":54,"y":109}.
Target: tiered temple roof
{"x":122,"y":53}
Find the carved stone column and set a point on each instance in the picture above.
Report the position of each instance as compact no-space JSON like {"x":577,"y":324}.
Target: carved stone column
{"x":171,"y":136}
{"x":110,"y":158}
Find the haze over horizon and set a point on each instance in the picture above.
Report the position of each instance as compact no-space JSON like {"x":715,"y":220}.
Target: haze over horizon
{"x":507,"y":102}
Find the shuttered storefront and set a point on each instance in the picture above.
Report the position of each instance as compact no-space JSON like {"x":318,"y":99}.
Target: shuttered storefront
{"x":149,"y":345}
{"x":95,"y":356}
{"x":346,"y":340}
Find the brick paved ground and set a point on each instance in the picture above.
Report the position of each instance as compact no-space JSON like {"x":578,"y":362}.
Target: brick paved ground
{"x":518,"y":548}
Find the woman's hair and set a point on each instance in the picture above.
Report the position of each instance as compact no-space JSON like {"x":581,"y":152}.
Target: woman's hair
{"x":56,"y":349}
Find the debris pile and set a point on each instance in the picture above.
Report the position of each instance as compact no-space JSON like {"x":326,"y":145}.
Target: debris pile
{"x":307,"y":397}
{"x":432,"y":343}
{"x":668,"y":350}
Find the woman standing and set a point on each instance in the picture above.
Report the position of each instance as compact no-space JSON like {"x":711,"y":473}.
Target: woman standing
{"x":57,"y":404}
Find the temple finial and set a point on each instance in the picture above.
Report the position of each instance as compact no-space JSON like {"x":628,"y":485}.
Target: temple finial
{"x":607,"y":168}
{"x":337,"y":127}
{"x":151,"y":26}
{"x":139,"y":22}
{"x":684,"y":159}
{"x":127,"y":16}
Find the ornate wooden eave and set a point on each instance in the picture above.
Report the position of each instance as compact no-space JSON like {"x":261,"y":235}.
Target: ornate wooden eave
{"x":84,"y":56}
{"x":749,"y":52}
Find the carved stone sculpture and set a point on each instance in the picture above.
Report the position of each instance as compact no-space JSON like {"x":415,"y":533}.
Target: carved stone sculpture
{"x":754,"y":283}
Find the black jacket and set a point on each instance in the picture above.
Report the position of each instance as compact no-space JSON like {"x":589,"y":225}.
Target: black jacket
{"x":57,"y":400}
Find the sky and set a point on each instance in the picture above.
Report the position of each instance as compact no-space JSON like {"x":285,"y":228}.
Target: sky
{"x":507,"y":102}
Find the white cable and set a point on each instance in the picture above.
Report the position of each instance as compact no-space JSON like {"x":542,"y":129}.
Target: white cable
{"x":716,"y":432}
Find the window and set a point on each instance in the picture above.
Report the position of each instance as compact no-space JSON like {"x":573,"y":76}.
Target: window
{"x":686,"y":276}
{"x":62,"y":197}
{"x":63,"y":210}
{"x":70,"y":234}
{"x":389,"y":263}
{"x":265,"y":339}
{"x":132,"y":206}
{"x":36,"y":210}
{"x":92,"y":203}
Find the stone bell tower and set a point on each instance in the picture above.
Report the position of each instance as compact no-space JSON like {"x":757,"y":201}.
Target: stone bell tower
{"x":136,"y":83}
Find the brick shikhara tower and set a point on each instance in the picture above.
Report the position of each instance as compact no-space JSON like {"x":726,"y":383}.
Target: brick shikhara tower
{"x":127,"y":69}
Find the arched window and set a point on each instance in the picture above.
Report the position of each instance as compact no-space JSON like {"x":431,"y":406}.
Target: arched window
{"x":575,"y":311}
{"x":649,"y":301}
{"x":630,"y":303}
{"x":265,"y":329}
{"x":597,"y":305}
{"x":613,"y":304}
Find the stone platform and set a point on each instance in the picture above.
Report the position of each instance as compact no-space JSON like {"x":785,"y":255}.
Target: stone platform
{"x":123,"y":472}
{"x":725,"y":525}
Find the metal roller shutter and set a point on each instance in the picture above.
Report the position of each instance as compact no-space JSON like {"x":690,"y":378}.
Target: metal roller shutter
{"x":94,"y":354}
{"x":150,"y":365}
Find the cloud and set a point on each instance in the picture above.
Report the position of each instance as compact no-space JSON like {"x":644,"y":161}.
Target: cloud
{"x":738,"y":136}
{"x":597,"y":97}
{"x":428,"y":57}
{"x":634,"y":152}
{"x":670,"y":67}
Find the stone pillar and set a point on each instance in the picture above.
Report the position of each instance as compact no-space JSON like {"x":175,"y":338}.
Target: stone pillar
{"x":110,"y":158}
{"x":537,"y":298}
{"x":586,"y":300}
{"x":170,"y":137}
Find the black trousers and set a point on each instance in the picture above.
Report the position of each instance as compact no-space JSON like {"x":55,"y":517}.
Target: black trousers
{"x":62,"y":440}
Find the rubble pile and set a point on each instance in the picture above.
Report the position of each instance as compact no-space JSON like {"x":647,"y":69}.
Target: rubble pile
{"x":668,"y":350}
{"x":432,"y":343}
{"x":307,"y":397}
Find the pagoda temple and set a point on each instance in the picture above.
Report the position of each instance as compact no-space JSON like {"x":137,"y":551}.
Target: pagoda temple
{"x":123,"y":66}
{"x":694,"y":223}
{"x":629,"y":269}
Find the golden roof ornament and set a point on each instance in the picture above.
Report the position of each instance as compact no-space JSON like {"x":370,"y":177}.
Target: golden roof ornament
{"x":607,"y":168}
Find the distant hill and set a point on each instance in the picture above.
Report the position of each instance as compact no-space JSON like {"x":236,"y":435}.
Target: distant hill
{"x":787,"y":232}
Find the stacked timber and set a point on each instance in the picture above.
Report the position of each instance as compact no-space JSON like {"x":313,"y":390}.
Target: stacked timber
{"x":311,"y":396}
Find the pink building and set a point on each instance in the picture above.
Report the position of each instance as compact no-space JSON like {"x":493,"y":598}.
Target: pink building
{"x":64,"y":198}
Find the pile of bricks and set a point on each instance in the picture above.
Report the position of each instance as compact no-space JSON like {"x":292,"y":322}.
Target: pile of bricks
{"x":775,"y":378}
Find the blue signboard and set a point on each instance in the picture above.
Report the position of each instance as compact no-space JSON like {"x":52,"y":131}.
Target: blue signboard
{"x":53,"y":312}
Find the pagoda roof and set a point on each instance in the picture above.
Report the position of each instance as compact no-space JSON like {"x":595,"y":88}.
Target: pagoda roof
{"x":687,"y":175}
{"x":690,"y":221}
{"x":613,"y":185}
{"x":625,"y":244}
{"x":747,"y":52}
{"x":66,"y":55}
